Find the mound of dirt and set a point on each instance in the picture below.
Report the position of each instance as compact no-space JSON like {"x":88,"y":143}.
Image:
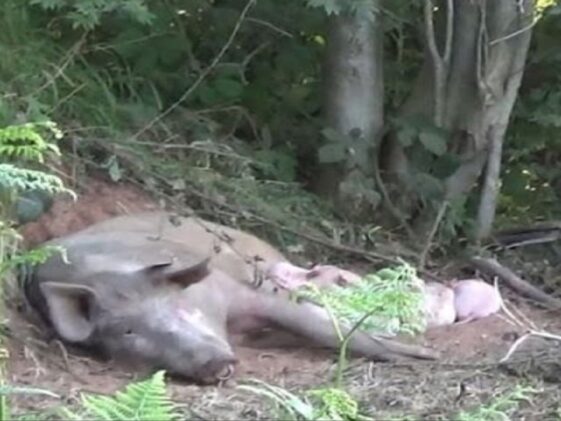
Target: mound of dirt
{"x":99,"y":201}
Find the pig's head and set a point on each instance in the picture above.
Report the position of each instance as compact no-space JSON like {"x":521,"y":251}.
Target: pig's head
{"x":142,"y":324}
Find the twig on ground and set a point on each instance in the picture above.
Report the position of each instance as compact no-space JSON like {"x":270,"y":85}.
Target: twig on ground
{"x":532,"y":330}
{"x":493,"y":267}
{"x":38,"y":369}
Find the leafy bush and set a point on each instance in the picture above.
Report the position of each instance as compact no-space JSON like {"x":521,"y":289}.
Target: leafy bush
{"x":21,"y":144}
{"x":391,"y":296}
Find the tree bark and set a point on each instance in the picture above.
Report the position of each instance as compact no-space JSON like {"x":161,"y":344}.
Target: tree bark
{"x":481,"y":80}
{"x":507,"y":54}
{"x":353,"y":103}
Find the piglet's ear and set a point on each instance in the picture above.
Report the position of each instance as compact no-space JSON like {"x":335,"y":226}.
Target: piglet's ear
{"x":181,"y":274}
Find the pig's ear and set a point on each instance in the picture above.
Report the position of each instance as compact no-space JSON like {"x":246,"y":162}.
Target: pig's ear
{"x":182,"y":275}
{"x":70,"y":309}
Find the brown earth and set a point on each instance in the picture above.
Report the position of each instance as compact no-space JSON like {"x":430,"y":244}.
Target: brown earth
{"x":466,"y":376}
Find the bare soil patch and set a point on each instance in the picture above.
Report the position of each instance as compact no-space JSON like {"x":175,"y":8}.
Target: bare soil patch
{"x":467,"y":375}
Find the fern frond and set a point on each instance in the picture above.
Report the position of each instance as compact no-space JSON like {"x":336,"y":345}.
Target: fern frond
{"x":26,"y":142}
{"x":142,"y":401}
{"x":21,"y":179}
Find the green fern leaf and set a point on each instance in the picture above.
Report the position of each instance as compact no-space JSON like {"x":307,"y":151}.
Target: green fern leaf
{"x":21,"y":179}
{"x":142,"y":401}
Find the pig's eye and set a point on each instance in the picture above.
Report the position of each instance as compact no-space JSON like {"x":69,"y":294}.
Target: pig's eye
{"x":128,"y":332}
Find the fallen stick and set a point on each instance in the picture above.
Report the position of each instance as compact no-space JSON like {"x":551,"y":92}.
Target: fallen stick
{"x":493,"y":267}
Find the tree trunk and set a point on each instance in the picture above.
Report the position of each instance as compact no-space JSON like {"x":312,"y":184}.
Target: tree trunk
{"x":478,"y":86}
{"x":353,"y":108}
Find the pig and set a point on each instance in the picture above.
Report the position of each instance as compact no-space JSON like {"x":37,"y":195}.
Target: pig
{"x":475,"y":299}
{"x":438,"y":304}
{"x":241,"y":255}
{"x":138,"y":296}
{"x":291,"y":277}
{"x":438,"y":299}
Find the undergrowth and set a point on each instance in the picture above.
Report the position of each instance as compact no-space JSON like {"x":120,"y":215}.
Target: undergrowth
{"x":391,"y":295}
{"x":336,"y":404}
{"x":21,"y":146}
{"x":501,"y":407}
{"x":145,"y":400}
{"x":316,"y":404}
{"x":141,"y":401}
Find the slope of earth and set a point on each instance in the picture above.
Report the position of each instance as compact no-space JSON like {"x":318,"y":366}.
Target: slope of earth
{"x":467,"y":375}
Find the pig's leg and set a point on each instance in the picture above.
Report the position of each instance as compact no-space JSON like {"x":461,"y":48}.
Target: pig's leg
{"x":312,"y":321}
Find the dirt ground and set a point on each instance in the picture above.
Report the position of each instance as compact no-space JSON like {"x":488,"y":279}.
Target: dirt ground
{"x":466,"y":376}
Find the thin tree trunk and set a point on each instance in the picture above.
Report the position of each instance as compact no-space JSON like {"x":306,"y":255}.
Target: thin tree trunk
{"x":353,"y":97}
{"x":504,"y":44}
{"x":481,"y":85}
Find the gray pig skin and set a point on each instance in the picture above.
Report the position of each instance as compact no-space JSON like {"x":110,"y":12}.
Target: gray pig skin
{"x":154,"y":295}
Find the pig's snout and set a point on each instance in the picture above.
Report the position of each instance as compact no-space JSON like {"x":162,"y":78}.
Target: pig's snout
{"x":218,"y":369}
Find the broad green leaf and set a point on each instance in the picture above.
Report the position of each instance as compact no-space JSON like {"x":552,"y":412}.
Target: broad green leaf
{"x":228,"y":88}
{"x":332,"y":153}
{"x":333,"y":135}
{"x":406,"y":136}
{"x":433,"y":141}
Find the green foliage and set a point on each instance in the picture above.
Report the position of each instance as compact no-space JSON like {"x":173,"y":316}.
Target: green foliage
{"x":336,"y":404}
{"x":142,"y":401}
{"x":392,"y":295}
{"x":21,"y":179}
{"x":530,"y":177}
{"x":500,"y":407}
{"x":318,"y":404}
{"x":26,"y":142}
{"x":87,"y":14}
{"x":354,"y":152}
{"x":23,"y":143}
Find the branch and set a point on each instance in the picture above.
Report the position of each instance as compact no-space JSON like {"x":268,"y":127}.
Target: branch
{"x":142,"y":172}
{"x":204,"y":73}
{"x":513,"y":34}
{"x":433,"y":231}
{"x":482,"y":51}
{"x":394,"y":211}
{"x":492,"y":266}
{"x":491,"y":186}
{"x":440,"y":67}
{"x":271,"y":26}
{"x":431,"y":38}
{"x":449,"y":32}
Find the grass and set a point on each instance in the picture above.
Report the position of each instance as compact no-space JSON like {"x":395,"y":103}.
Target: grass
{"x":501,"y":407}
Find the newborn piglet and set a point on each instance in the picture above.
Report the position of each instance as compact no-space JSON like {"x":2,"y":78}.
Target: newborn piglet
{"x":475,"y":299}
